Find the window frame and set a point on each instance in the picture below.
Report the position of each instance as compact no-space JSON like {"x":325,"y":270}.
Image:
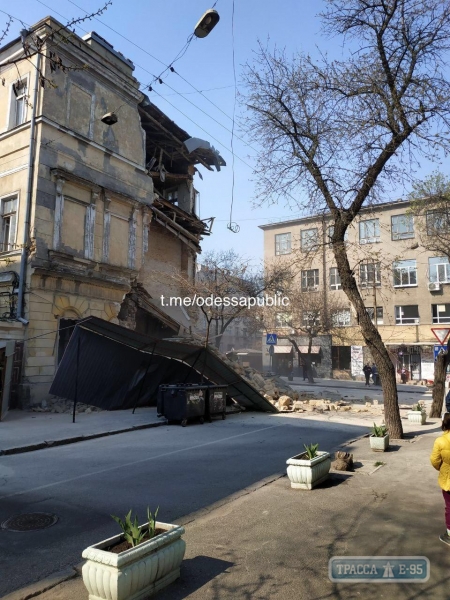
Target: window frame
{"x":444,"y":263}
{"x":380,"y":315}
{"x":348,"y":321}
{"x":370,"y":239}
{"x":445,"y":214}
{"x":435,"y":319}
{"x":402,"y":236}
{"x":12,"y":219}
{"x":400,"y":320}
{"x":13,"y":104}
{"x":305,"y":277}
{"x":405,"y":269}
{"x":376,"y":275}
{"x":337,"y":285}
{"x":288,"y":236}
{"x":311,"y":242}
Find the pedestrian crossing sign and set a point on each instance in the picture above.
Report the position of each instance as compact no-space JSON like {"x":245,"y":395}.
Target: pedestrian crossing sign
{"x":271,"y":339}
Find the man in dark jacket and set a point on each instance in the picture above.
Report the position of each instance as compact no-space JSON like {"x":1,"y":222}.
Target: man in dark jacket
{"x":367,"y":370}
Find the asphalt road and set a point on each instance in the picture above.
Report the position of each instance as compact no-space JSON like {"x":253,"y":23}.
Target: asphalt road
{"x":181,"y":470}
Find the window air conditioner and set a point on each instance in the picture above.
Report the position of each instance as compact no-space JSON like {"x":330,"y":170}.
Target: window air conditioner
{"x":434,"y":286}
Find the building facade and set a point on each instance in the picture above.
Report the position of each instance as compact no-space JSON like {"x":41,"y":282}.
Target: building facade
{"x":405,"y":288}
{"x":96,"y":213}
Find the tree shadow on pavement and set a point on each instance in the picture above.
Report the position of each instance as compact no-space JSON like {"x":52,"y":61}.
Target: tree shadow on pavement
{"x":199,"y":571}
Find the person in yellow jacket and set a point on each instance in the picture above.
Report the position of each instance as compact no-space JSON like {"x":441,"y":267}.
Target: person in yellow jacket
{"x":440,"y":459}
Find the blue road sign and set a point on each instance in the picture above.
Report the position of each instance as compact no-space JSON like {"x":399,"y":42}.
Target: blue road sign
{"x":271,"y":339}
{"x":439,"y":349}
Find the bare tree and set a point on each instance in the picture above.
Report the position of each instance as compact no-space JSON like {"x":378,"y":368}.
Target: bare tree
{"x":345,"y":131}
{"x":310,"y":314}
{"x":430,"y":201}
{"x":228,"y":288}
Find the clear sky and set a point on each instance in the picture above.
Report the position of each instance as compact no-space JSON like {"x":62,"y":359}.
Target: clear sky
{"x":156,"y":32}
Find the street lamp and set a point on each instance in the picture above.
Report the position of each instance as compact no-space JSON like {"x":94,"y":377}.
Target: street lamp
{"x":207,"y":23}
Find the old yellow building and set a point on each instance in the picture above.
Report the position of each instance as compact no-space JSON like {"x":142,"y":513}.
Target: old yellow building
{"x":97,"y":212}
{"x":404,"y":286}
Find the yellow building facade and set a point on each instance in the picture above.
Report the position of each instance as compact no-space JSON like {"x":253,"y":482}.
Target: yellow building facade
{"x":79,"y":233}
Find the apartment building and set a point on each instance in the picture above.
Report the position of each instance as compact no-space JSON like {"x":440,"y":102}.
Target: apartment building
{"x":97,"y":202}
{"x":406,"y":288}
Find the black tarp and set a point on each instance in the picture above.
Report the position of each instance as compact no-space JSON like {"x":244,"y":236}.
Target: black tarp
{"x":111,"y":367}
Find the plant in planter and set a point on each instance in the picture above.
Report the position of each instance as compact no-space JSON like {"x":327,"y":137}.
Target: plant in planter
{"x":379,"y":438}
{"x":418,"y":414}
{"x":308,"y":469}
{"x":135,"y":564}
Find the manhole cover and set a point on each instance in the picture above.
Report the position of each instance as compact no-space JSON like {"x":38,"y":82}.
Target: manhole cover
{"x":29,"y":522}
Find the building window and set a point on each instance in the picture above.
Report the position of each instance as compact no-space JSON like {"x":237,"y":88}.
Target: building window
{"x":8,"y":224}
{"x":309,"y":239}
{"x":441,"y":313}
{"x":370,"y":312}
{"x":407,"y":315}
{"x":439,"y":269}
{"x":19,"y":102}
{"x":402,"y":227}
{"x":437,"y":221}
{"x":369,"y":231}
{"x":310,"y":280}
{"x":405,"y":273}
{"x":283,"y":320}
{"x":310,"y":319}
{"x":282,"y":243}
{"x":335,"y":279}
{"x":370,"y":274}
{"x":341,"y":318}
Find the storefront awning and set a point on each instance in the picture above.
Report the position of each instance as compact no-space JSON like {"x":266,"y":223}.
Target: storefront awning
{"x":314,"y":349}
{"x":282,"y":349}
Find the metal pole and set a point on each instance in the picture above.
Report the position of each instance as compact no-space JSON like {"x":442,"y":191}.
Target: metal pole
{"x":143,"y":379}
{"x":29,"y":195}
{"x":76,"y":379}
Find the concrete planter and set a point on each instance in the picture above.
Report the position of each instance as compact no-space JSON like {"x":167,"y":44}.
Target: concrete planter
{"x":136,"y":573}
{"x":379,"y":444}
{"x":306,"y":474}
{"x":418,"y":417}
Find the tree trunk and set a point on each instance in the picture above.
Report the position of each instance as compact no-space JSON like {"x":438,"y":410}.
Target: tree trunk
{"x":440,"y":369}
{"x":374,"y":342}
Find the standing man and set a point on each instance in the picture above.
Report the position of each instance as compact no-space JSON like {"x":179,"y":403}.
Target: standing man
{"x":367,"y":370}
{"x":305,"y":371}
{"x":375,"y":377}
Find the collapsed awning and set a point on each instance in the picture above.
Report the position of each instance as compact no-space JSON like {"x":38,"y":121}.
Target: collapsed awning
{"x":112,"y":367}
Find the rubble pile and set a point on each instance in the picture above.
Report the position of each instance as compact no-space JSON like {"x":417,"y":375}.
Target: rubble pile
{"x":60,"y":405}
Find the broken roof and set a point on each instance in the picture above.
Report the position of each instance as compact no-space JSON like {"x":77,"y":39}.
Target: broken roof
{"x":165,"y":135}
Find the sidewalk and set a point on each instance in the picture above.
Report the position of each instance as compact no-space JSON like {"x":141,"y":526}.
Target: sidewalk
{"x":275,"y":542}
{"x":24,"y":431}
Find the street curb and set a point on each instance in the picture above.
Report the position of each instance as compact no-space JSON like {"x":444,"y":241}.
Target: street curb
{"x":38,"y":588}
{"x":76,"y":439}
